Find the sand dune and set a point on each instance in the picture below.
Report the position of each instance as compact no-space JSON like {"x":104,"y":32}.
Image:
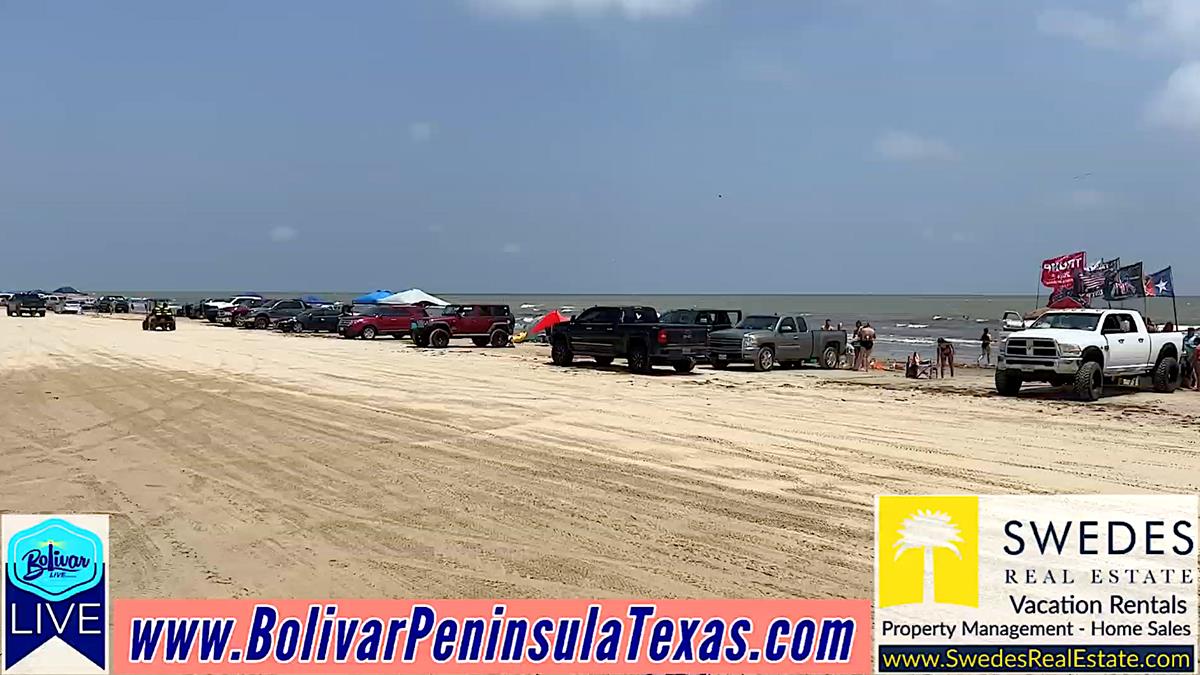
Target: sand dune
{"x":240,"y":463}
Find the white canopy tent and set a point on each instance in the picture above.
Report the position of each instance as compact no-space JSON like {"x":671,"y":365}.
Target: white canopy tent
{"x":413,"y":296}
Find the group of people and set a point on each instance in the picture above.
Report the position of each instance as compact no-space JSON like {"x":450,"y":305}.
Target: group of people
{"x":862,"y":343}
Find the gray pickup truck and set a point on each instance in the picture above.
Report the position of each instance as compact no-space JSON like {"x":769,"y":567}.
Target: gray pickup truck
{"x":767,"y":341}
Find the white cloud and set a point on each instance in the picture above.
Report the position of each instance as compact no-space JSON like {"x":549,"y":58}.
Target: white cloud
{"x":283,"y":233}
{"x":1177,"y":104}
{"x":1086,"y":27}
{"x":1173,"y":24}
{"x":420,"y":132}
{"x":630,"y":9}
{"x":511,"y":248}
{"x":902,"y":146}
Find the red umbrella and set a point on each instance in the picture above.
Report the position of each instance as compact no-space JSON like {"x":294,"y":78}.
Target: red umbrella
{"x":552,"y":319}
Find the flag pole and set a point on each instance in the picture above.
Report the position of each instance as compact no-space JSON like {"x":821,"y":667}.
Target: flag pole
{"x":1175,"y":309}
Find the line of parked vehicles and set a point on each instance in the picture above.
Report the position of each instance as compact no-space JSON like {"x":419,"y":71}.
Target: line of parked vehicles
{"x":636,"y":334}
{"x":427,"y":325}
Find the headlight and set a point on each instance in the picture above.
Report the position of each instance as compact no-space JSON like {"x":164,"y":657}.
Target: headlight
{"x":749,"y":340}
{"x":1069,"y":349}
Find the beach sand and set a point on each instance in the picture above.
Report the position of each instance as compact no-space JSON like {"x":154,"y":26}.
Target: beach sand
{"x":249,"y":464}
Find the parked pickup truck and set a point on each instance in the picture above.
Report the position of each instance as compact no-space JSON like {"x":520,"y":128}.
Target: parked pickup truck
{"x":484,"y":324}
{"x":368,"y":321}
{"x":770,"y":340}
{"x":1082,"y":348}
{"x":632,"y":333}
{"x":26,"y":304}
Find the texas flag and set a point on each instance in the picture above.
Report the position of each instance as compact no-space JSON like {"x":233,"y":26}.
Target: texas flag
{"x":1160,"y":285}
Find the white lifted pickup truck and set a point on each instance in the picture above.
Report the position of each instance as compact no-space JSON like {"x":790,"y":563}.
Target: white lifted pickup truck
{"x":1083,"y":348}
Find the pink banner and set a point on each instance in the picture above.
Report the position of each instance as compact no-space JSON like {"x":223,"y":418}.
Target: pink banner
{"x":1061,"y":271}
{"x":492,"y":636}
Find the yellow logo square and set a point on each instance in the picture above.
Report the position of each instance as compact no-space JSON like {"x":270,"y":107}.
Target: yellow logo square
{"x":927,"y":550}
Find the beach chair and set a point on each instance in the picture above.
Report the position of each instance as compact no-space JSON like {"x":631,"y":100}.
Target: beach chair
{"x":927,"y":369}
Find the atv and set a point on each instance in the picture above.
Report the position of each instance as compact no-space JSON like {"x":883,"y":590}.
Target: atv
{"x":160,"y":316}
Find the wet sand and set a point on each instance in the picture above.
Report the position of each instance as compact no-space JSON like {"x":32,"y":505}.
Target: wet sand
{"x":240,"y":463}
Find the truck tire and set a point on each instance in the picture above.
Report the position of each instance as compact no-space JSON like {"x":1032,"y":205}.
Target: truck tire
{"x":369,"y":333}
{"x":498,"y":338}
{"x":639,"y":359}
{"x":146,"y":324}
{"x":439,"y":338}
{"x":603,"y":360}
{"x":1089,"y":382}
{"x":764,"y":360}
{"x":480,"y":341}
{"x":420,"y":339}
{"x":560,"y":353}
{"x":717,"y":364}
{"x":42,"y":313}
{"x":829,"y":357}
{"x":685,"y":366}
{"x":262,"y":322}
{"x":1166,"y":375}
{"x":1008,"y":382}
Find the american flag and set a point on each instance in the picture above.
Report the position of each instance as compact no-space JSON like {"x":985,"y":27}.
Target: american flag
{"x":1092,"y":279}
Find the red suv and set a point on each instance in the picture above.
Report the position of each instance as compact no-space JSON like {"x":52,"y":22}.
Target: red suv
{"x":368,"y":321}
{"x":484,"y":324}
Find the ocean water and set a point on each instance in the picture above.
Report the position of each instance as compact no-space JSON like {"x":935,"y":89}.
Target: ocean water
{"x":904,"y":323}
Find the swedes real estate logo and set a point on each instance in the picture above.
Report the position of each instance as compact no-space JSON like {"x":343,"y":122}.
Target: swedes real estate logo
{"x":55,"y":593}
{"x":1054,"y":583}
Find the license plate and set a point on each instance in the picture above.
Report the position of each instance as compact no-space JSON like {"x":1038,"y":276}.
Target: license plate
{"x":722,"y":357}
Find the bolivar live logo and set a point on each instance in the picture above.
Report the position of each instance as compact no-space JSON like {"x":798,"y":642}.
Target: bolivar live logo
{"x":55,"y":593}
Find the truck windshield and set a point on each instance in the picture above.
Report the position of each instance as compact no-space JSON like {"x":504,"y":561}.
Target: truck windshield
{"x":758,"y":323}
{"x":1068,"y":321}
{"x":678,"y":316}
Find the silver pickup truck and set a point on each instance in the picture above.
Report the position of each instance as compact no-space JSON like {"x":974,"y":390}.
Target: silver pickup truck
{"x":1084,"y":347}
{"x":770,"y":340}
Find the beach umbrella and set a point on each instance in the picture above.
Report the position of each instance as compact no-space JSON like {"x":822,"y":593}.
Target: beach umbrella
{"x":413,"y":296}
{"x":372,"y":298}
{"x":549,"y":321}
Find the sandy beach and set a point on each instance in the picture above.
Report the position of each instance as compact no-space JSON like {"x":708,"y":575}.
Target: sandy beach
{"x":240,"y":463}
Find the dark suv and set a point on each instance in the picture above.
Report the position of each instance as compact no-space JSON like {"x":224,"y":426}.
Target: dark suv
{"x":272,"y":311}
{"x":113,"y":304}
{"x":484,"y":324}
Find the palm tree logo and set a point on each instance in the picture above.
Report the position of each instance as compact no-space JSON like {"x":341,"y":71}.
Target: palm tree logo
{"x":928,"y":530}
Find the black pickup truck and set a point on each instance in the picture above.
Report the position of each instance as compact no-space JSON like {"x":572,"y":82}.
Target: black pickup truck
{"x":27,"y":304}
{"x":631,"y":333}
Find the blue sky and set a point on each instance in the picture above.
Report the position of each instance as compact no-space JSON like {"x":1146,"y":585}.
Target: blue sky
{"x":595,"y":145}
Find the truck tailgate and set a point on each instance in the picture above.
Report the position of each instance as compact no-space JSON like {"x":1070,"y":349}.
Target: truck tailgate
{"x":693,"y":336}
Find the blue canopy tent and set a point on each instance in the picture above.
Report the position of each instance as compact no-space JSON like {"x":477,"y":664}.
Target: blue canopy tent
{"x":65,"y":289}
{"x":372,"y":298}
{"x":314,"y":300}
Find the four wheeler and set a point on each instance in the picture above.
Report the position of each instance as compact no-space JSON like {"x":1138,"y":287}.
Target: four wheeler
{"x":161,"y":316}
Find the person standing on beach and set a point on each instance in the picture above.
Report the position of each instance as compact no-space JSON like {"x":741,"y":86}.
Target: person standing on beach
{"x":855,"y":344}
{"x":866,"y":342}
{"x":828,"y":325}
{"x":985,"y":348}
{"x":945,"y":352}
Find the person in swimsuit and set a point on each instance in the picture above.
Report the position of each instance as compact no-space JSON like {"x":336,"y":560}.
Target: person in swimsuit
{"x":945,"y":352}
{"x":866,"y":342}
{"x":985,"y":348}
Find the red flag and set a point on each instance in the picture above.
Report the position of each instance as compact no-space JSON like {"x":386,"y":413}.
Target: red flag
{"x":1061,"y":271}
